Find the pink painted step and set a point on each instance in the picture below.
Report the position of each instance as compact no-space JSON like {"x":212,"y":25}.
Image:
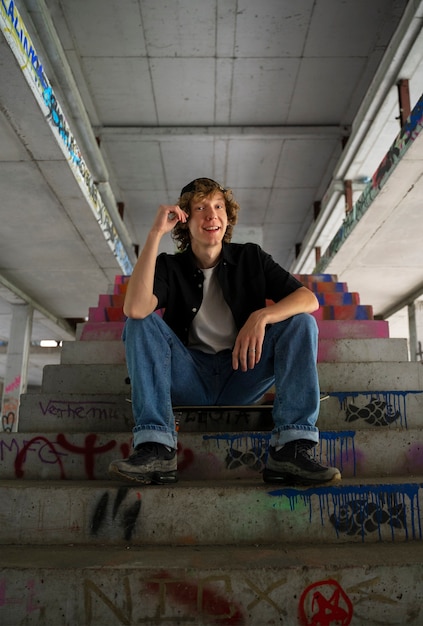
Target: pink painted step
{"x":344,"y":312}
{"x":120,"y":284}
{"x":338,"y":305}
{"x":106,"y":314}
{"x":317,"y":278}
{"x":328,"y":329}
{"x":116,"y":300}
{"x":353,"y":329}
{"x":326,"y":287}
{"x":335,"y":321}
{"x":101,"y":331}
{"x":338,"y":297}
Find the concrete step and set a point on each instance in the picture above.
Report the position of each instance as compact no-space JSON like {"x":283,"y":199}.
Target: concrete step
{"x":207,"y":456}
{"x":75,"y":412}
{"x":341,"y":410}
{"x":107,"y":412}
{"x":361,"y":350}
{"x":334,"y":377}
{"x":327,"y":311}
{"x":90,"y":352}
{"x":328,"y":329}
{"x":386,"y":376}
{"x":242,"y":512}
{"x":330,"y":350}
{"x":86,"y":378}
{"x":231,"y":586}
{"x":99,"y":331}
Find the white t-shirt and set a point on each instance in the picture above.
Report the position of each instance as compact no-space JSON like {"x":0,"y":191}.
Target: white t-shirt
{"x":213,"y":328}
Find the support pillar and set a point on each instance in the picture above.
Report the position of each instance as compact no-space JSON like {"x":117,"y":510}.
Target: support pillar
{"x":419,"y":328}
{"x":412,"y":330}
{"x":415,"y":327}
{"x":15,"y":382}
{"x":348,"y":195}
{"x":404,"y":101}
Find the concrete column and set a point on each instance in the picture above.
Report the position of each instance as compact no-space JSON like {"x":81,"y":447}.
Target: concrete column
{"x":15,"y":382}
{"x":415,"y":325}
{"x":419,"y":330}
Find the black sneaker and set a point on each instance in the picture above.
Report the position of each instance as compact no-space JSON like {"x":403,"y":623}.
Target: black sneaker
{"x":151,"y":463}
{"x":295,"y":464}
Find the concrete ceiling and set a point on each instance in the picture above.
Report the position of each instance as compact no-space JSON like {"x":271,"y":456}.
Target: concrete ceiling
{"x":261,"y":96}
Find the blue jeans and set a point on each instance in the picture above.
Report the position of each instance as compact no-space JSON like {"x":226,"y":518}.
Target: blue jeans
{"x":164,"y":372}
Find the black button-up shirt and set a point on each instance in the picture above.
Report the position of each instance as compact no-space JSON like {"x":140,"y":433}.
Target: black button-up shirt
{"x":247,"y":275}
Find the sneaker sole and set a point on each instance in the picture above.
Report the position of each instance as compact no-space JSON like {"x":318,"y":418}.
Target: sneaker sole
{"x":148,"y":478}
{"x":271,"y":476}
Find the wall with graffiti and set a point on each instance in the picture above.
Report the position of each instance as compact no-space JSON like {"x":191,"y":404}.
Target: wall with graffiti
{"x":410,"y":130}
{"x":16,"y":34}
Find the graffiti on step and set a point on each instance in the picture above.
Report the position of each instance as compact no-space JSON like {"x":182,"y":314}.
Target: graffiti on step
{"x":376,"y":408}
{"x":10,"y":406}
{"x":53,"y":452}
{"x":198,"y":598}
{"x":106,"y":511}
{"x":240,"y":453}
{"x":259,"y":418}
{"x":9,"y":414}
{"x":57,"y":450}
{"x":81,"y":410}
{"x":376,"y":413}
{"x":382,"y":409}
{"x":251,"y":449}
{"x":220,"y":599}
{"x":252,"y":459}
{"x":324,"y":603}
{"x":391,"y":511}
{"x":361,"y":517}
{"x":25,"y":597}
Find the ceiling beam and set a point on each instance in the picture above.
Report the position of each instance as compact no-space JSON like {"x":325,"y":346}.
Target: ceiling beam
{"x":411,"y":297}
{"x":17,"y":295}
{"x":280,"y":132}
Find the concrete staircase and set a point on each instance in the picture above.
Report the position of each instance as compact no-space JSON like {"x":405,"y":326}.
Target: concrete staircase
{"x":220,"y":547}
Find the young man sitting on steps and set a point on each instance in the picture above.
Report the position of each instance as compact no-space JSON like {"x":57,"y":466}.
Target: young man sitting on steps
{"x":218,"y":343}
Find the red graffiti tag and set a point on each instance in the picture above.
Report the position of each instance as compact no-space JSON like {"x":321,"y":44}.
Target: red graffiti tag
{"x":88,"y":451}
{"x":185,"y":457}
{"x":325,"y":603}
{"x":21,"y":456}
{"x":198,"y":599}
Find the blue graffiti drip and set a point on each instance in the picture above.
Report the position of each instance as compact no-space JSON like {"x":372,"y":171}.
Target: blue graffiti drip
{"x":387,"y":505}
{"x":331,"y":438}
{"x":259,"y":444}
{"x":396,"y":401}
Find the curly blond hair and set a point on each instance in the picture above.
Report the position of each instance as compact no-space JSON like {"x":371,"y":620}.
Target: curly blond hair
{"x":197,"y":190}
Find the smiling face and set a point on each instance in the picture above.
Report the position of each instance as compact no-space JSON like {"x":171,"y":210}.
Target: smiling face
{"x":208,"y":221}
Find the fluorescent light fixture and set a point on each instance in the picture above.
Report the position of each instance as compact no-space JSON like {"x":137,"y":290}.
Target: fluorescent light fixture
{"x":49,"y":343}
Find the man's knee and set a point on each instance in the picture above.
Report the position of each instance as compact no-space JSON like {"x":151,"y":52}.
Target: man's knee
{"x":139,"y":326}
{"x":306,"y":321}
{"x":302,"y":322}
